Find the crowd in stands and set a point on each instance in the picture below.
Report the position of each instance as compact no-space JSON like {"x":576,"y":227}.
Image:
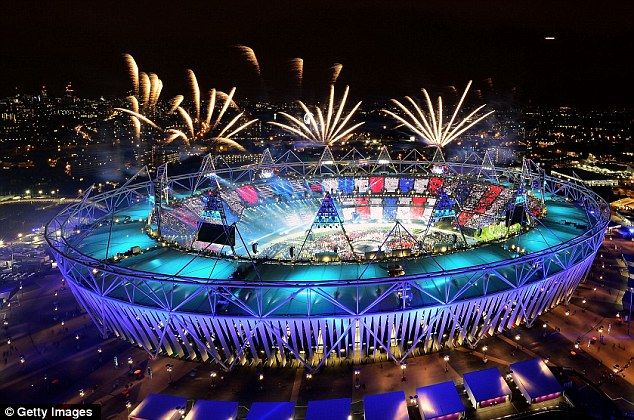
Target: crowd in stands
{"x":270,"y":206}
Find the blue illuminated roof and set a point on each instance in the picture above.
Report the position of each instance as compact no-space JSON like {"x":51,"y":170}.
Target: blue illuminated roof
{"x":205,"y":409}
{"x":486,"y":384}
{"x":271,"y":410}
{"x":158,"y":406}
{"x":440,"y":399}
{"x":390,"y":406}
{"x":535,"y":378}
{"x":334,"y":409}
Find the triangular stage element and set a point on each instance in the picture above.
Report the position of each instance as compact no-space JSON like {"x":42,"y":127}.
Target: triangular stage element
{"x":487,"y":168}
{"x":438,"y":156}
{"x":327,"y":164}
{"x":205,"y":174}
{"x":384,"y":161}
{"x":327,"y":235}
{"x":353,"y":154}
{"x":399,"y":241}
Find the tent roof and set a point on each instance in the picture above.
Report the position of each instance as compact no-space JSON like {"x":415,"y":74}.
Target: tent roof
{"x":439,"y":399}
{"x":271,"y":410}
{"x":334,"y":409}
{"x":158,"y":406}
{"x":206,"y":409}
{"x":391,"y":405}
{"x":535,"y":377}
{"x":486,"y":384}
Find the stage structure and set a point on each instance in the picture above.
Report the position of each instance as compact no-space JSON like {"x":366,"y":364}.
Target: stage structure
{"x":318,"y":262}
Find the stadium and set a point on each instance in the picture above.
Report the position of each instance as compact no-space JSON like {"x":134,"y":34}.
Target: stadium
{"x":335,"y":259}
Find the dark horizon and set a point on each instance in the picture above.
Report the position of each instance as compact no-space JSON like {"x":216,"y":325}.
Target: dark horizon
{"x":387,"y":49}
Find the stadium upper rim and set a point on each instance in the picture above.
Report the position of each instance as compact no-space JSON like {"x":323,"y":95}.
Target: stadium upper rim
{"x":62,"y":227}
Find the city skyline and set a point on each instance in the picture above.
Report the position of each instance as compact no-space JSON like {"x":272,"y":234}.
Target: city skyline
{"x":386,"y":51}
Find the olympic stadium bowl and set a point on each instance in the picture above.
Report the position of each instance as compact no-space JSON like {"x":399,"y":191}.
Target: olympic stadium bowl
{"x":317,"y":262}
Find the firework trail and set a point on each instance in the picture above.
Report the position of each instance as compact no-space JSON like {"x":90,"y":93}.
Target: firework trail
{"x":297,"y":71}
{"x":248,"y":55}
{"x":133,"y":72}
{"x":224,"y":96}
{"x":154,"y":82}
{"x":209,"y":128}
{"x":195,"y":91}
{"x":145,"y":88}
{"x":140,"y":117}
{"x":326,"y":129}
{"x":429,"y":126}
{"x":175,"y":103}
{"x":335,"y":70}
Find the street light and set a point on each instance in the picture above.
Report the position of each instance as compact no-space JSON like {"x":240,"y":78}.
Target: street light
{"x":213,"y":378}
{"x":517,"y":337}
{"x":446,"y":359}
{"x":484,"y":351}
{"x":403,"y":367}
{"x":128,"y":405}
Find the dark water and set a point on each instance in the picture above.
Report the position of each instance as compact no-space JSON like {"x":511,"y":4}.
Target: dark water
{"x":22,"y":218}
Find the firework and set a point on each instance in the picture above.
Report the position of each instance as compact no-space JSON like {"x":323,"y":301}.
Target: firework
{"x":326,"y":129}
{"x":175,"y":103}
{"x":154,"y":83}
{"x":195,"y":91}
{"x":145,"y":88}
{"x":297,"y":71}
{"x":209,"y":128}
{"x":429,"y":126}
{"x":140,"y":117}
{"x":223,"y":96}
{"x":249,"y":55}
{"x":335,"y":70}
{"x":133,"y":72}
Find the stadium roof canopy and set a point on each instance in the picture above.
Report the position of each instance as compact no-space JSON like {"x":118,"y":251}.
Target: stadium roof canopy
{"x":205,"y":409}
{"x":158,"y":406}
{"x":486,"y":384}
{"x":534,"y":379}
{"x":391,"y":405}
{"x":439,"y":400}
{"x":334,"y":409}
{"x":271,"y":410}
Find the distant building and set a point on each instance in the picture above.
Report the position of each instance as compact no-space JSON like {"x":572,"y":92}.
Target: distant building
{"x":591,"y":179}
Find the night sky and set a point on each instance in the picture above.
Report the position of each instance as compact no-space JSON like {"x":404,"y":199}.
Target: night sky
{"x":388,"y":48}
